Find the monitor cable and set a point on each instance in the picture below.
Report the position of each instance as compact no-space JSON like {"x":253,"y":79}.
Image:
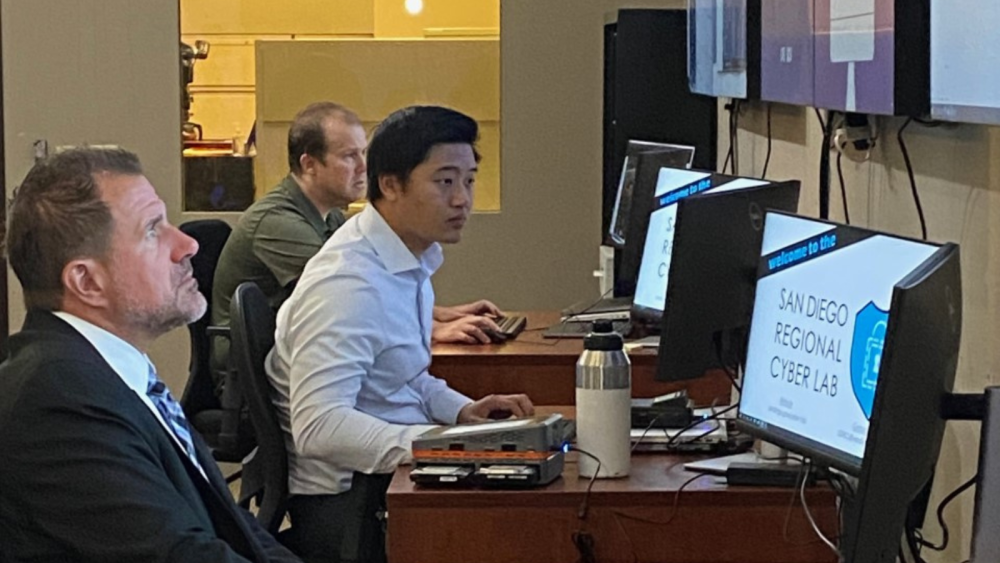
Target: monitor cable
{"x":824,"y":165}
{"x":767,"y":157}
{"x":809,"y":516}
{"x":913,"y":182}
{"x":843,"y":189}
{"x":945,"y":535}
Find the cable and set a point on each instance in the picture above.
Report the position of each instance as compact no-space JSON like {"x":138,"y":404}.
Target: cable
{"x":729,"y":154}
{"x":940,"y":514}
{"x":843,"y":190}
{"x":913,"y":182}
{"x":714,"y":416}
{"x":734,"y":134}
{"x":824,"y":167}
{"x":767,"y":159}
{"x":582,"y":539}
{"x":809,"y":516}
{"x":582,"y":513}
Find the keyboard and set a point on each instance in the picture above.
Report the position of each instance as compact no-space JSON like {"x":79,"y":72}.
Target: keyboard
{"x":573,"y":329}
{"x":511,"y":326}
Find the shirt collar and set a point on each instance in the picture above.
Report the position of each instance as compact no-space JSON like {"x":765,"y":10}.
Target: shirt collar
{"x":128,"y":362}
{"x":322,"y":226}
{"x":395,"y":255}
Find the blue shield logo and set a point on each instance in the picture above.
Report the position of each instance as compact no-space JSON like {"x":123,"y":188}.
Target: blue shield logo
{"x":866,"y":354}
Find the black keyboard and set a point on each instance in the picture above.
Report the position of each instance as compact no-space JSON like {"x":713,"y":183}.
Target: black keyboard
{"x":511,"y":326}
{"x":579,"y":329}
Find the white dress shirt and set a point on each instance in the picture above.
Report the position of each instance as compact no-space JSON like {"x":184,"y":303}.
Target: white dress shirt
{"x":352,"y":348}
{"x":131,"y":365}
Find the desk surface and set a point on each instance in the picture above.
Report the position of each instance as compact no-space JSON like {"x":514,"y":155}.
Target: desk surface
{"x":649,"y":516}
{"x":545,"y":368}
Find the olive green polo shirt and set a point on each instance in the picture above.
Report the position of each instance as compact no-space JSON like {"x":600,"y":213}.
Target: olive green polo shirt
{"x":270,"y":246}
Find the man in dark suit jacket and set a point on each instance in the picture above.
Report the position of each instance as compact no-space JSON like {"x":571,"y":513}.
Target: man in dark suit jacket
{"x":96,"y":460}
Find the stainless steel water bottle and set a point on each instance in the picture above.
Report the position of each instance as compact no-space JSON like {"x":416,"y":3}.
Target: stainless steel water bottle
{"x":603,"y":404}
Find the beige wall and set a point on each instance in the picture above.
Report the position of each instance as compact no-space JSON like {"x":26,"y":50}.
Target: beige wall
{"x":102,"y":71}
{"x":958,"y":177}
{"x":540,"y":250}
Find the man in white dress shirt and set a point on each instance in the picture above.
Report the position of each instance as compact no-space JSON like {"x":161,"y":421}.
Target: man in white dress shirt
{"x":353,"y":341}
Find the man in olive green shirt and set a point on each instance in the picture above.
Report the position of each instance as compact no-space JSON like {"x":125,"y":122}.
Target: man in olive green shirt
{"x":280,"y":232}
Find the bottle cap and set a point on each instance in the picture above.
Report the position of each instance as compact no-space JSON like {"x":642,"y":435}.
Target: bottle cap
{"x":603,"y":338}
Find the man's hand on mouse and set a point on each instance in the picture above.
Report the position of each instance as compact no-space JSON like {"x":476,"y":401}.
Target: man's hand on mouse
{"x":479,"y":411}
{"x":467,"y":329}
{"x":481,"y":308}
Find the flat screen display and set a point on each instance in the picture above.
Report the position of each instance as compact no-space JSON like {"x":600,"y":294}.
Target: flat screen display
{"x":717,"y":47}
{"x":819,"y":324}
{"x":786,"y":51}
{"x":672,"y":186}
{"x":965,"y":61}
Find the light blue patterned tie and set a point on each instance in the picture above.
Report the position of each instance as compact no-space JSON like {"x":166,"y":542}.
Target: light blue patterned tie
{"x":172,"y":414}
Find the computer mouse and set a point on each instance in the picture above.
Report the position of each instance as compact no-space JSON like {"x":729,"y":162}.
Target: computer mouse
{"x":495,"y":337}
{"x":499,"y":414}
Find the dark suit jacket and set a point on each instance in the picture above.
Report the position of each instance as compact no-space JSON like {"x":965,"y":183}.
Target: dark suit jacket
{"x":87,"y":473}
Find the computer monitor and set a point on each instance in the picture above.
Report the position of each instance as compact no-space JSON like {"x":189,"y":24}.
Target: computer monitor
{"x":647,"y":174}
{"x":786,"y":52}
{"x":965,"y":80}
{"x":853,"y":345}
{"x":672,"y":186}
{"x":657,"y":155}
{"x":713,"y":273}
{"x":724,"y":48}
{"x":864,"y":56}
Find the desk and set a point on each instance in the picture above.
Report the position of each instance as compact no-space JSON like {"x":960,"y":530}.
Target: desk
{"x":713,"y":523}
{"x":545,"y":368}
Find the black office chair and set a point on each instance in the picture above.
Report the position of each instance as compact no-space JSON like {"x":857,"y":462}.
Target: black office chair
{"x":229,"y":438}
{"x":265,"y":476}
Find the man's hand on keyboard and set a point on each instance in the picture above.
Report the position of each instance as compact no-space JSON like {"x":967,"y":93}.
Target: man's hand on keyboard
{"x":481,"y":307}
{"x":466,"y":329}
{"x":517,"y":405}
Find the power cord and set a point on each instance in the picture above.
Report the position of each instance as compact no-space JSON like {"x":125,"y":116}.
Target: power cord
{"x":945,"y":536}
{"x":809,"y":516}
{"x":913,"y":182}
{"x":582,"y":539}
{"x":767,"y":158}
{"x":843,"y":189}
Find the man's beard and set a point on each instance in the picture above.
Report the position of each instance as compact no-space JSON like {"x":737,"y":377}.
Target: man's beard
{"x":186,"y":308}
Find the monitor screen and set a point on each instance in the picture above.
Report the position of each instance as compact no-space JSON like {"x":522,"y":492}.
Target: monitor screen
{"x":786,"y":51}
{"x":679,"y":156}
{"x":819,"y":324}
{"x":854,"y":55}
{"x":672,"y":185}
{"x":713,"y":273}
{"x":717,"y":47}
{"x":965,"y":61}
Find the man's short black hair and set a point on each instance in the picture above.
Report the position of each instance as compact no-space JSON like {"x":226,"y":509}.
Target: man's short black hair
{"x":405,"y":139}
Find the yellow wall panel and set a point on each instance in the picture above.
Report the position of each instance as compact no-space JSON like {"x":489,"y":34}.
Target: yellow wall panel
{"x":223,"y":115}
{"x":230,"y":61}
{"x":374,"y":78}
{"x":261,"y":17}
{"x":392,"y":20}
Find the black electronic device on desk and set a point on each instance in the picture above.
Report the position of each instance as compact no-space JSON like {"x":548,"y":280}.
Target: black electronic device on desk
{"x":522,"y":452}
{"x":666,"y":411}
{"x":510,"y":327}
